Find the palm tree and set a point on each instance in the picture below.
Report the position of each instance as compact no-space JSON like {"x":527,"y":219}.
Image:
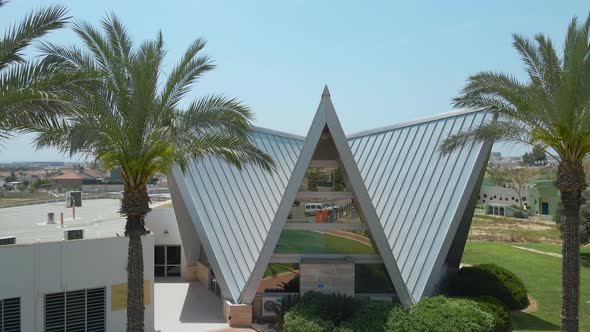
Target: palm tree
{"x":134,"y":121}
{"x":550,"y":111}
{"x":34,"y":92}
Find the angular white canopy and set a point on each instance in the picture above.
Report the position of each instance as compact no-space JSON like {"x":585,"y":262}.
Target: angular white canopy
{"x":415,"y":201}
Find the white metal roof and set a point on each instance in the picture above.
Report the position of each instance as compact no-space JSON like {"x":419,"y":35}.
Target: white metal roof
{"x":413,"y":197}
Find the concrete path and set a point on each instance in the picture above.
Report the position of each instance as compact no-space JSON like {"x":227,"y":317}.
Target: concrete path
{"x":552,"y":254}
{"x":182,"y":307}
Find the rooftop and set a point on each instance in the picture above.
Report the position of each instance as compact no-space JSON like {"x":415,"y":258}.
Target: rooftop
{"x":98,"y":217}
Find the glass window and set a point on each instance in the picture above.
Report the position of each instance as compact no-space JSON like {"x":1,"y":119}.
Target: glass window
{"x":160,"y":271}
{"x":173,"y":255}
{"x":341,"y":211}
{"x":328,"y":242}
{"x":372,"y":278}
{"x":173,"y":271}
{"x":280,"y":277}
{"x":159,"y":255}
{"x":323,"y":179}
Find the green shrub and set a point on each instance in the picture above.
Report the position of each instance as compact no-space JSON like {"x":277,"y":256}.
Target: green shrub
{"x":399,"y":319}
{"x":497,"y":309}
{"x":490,"y":280}
{"x":296,"y":322}
{"x":440,"y":314}
{"x":370,"y":317}
{"x":331,"y":307}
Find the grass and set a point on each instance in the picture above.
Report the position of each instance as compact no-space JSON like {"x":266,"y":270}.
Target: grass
{"x":275,"y":269}
{"x":310,"y":242}
{"x":542,"y":276}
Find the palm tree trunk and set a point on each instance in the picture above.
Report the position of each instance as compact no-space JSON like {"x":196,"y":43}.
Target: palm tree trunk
{"x":135,"y":206}
{"x":571,"y":182}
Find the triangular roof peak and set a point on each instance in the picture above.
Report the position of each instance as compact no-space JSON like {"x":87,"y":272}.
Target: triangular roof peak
{"x":326,"y":92}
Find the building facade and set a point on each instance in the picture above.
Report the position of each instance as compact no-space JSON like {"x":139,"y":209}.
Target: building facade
{"x":378,"y":214}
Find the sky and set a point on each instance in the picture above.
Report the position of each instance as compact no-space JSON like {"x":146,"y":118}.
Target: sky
{"x":384,"y":62}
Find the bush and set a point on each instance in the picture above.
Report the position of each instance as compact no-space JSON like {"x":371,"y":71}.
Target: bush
{"x":442,"y":314}
{"x":296,"y":322}
{"x":331,"y":307}
{"x":490,"y":280}
{"x":319,"y":312}
{"x":371,"y":317}
{"x":497,"y":309}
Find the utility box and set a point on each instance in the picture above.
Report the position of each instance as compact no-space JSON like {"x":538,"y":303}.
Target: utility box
{"x":74,"y":234}
{"x":73,"y":199}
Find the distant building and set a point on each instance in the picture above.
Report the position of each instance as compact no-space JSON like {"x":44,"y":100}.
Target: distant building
{"x":74,"y":178}
{"x":540,"y":197}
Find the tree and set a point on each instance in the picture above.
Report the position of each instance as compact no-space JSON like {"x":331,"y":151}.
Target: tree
{"x":515,"y":178}
{"x":134,"y":121}
{"x":584,"y":218}
{"x":536,"y":157}
{"x":34,"y":92}
{"x":550,"y":111}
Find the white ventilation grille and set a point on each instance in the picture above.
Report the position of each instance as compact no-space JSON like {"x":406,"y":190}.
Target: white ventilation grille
{"x":10,"y":315}
{"x":81,"y":310}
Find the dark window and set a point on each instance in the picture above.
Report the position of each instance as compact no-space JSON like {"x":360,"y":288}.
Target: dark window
{"x":160,"y":255}
{"x":512,"y":197}
{"x":517,"y":201}
{"x":167,"y":261}
{"x":372,"y":278}
{"x":523,"y":199}
{"x":485,"y":195}
{"x":173,"y":255}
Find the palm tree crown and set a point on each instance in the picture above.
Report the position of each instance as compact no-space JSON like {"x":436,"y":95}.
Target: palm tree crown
{"x":550,"y":111}
{"x":133,"y":120}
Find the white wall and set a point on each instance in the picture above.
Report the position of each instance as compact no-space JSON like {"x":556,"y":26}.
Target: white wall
{"x":31,"y":271}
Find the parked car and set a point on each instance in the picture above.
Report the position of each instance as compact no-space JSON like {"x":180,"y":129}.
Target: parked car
{"x":311,"y":208}
{"x":332,"y":206}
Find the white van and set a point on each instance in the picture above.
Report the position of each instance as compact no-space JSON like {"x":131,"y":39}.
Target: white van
{"x":311,"y":208}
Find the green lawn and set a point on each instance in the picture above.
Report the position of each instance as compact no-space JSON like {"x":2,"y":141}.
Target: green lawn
{"x":310,"y":242}
{"x":542,"y":276}
{"x":275,"y":269}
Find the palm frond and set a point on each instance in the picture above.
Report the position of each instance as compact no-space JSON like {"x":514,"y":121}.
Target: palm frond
{"x":185,"y":73}
{"x":216,"y":113}
{"x":34,"y":25}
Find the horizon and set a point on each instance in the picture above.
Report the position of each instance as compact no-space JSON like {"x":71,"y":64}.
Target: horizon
{"x":385,"y":64}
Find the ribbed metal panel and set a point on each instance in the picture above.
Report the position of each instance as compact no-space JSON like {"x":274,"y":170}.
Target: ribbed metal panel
{"x":415,"y":190}
{"x":235,"y":208}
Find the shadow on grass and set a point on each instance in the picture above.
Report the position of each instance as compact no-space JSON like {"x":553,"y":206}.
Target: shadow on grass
{"x":527,"y":321}
{"x":585,"y":258}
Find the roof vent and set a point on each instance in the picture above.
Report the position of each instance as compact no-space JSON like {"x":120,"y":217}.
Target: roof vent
{"x":73,"y":234}
{"x":7,"y":240}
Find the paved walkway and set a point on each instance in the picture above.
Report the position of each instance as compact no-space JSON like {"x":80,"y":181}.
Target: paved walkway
{"x":552,"y":254}
{"x":182,"y":307}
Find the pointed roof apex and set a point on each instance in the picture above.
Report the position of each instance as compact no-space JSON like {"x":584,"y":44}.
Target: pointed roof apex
{"x":326,"y":92}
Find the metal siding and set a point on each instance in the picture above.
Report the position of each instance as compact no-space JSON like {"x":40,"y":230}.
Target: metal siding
{"x":235,"y":208}
{"x":416,"y":191}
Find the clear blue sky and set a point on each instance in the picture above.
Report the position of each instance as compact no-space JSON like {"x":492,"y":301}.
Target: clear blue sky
{"x":384,"y":62}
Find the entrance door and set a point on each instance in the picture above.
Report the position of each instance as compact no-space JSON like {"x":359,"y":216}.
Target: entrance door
{"x":544,"y":208}
{"x":167,"y":261}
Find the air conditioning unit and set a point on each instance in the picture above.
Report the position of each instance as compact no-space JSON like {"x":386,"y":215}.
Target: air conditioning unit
{"x":7,"y":240}
{"x":73,"y":198}
{"x":73,"y":234}
{"x":269,"y":301}
{"x":381,"y":298}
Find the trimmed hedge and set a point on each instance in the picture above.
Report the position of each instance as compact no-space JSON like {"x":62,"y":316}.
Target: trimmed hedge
{"x":497,"y":309}
{"x":490,"y":280}
{"x":371,"y":317}
{"x":319,"y":312}
{"x":440,"y":314}
{"x":296,"y":322}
